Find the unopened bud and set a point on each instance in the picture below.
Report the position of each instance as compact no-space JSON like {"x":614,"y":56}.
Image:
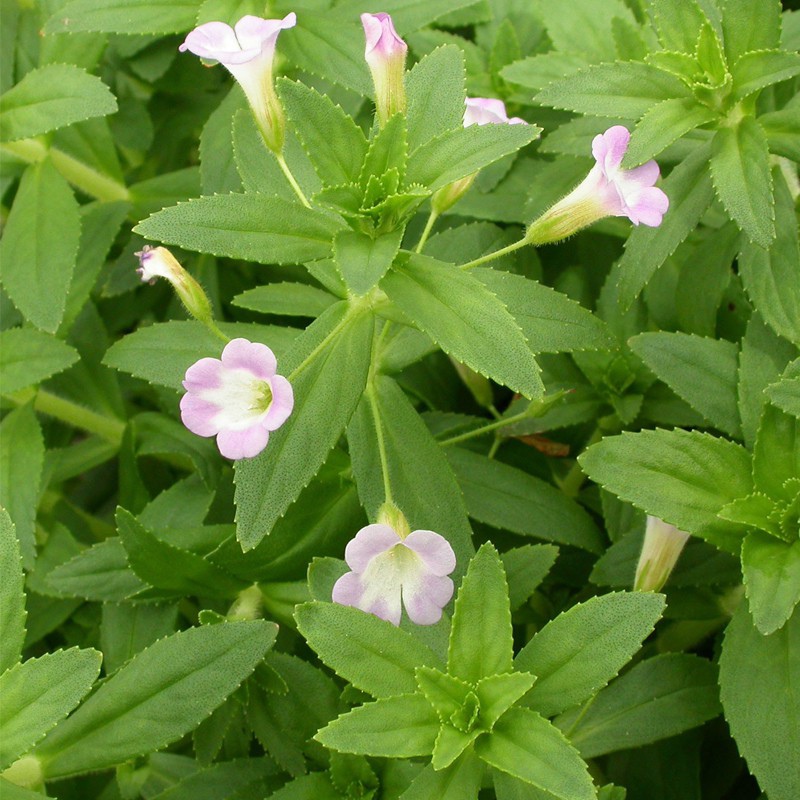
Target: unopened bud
{"x":663,"y":544}
{"x":385,"y":54}
{"x":389,"y":514}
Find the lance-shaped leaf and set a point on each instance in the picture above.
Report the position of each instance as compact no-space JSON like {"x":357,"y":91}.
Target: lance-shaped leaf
{"x":328,"y":369}
{"x":750,"y":26}
{"x":157,"y":697}
{"x":124,"y":16}
{"x":28,"y":356}
{"x":776,"y":456}
{"x":756,"y":70}
{"x":460,"y":781}
{"x":465,"y":319}
{"x":678,"y":23}
{"x":287,"y":299}
{"x":363,"y":260}
{"x":12,"y":596}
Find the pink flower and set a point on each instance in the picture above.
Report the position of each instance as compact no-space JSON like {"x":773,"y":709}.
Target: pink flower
{"x":247,"y":51}
{"x":239,"y":399}
{"x":388,"y":569}
{"x":385,"y":54}
{"x":608,"y":190}
{"x":485,"y":110}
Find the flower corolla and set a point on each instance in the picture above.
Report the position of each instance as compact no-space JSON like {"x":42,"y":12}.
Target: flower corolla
{"x":385,"y":54}
{"x":238,"y":398}
{"x":662,"y":546}
{"x":390,"y":571}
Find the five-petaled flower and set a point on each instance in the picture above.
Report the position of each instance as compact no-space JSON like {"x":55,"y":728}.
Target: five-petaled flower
{"x":238,"y":398}
{"x":608,"y":190}
{"x":388,"y":571}
{"x":247,"y":51}
{"x":385,"y":53}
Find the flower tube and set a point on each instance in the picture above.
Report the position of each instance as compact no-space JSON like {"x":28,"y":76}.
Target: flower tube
{"x":385,"y":54}
{"x":662,"y":547}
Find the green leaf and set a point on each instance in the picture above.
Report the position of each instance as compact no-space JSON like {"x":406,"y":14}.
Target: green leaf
{"x":387,"y":153}
{"x":463,"y":151}
{"x":771,"y":571}
{"x":403,"y":726}
{"x":218,"y":171}
{"x":39,"y":693}
{"x":333,"y":141}
{"x":703,"y":371}
{"x":498,"y":693}
{"x":656,"y":699}
{"x":682,"y":477}
{"x":362,"y":260}
{"x":253,"y":227}
{"x":758,"y":680}
{"x":365,"y":650}
{"x":528,"y":747}
{"x":508,"y":498}
{"x":776,"y":456}
{"x":783,"y":131}
{"x":435,"y":89}
{"x":785,"y":394}
{"x":460,"y":781}
{"x":12,"y":595}
{"x":286,"y":299}
{"x":481,"y":642}
{"x":551,"y":322}
{"x":754,"y":71}
{"x":157,"y":697}
{"x":39,"y":245}
{"x":465,"y":319}
{"x":28,"y":356}
{"x":526,"y":567}
{"x":536,"y":72}
{"x":769,"y":275}
{"x":124,"y":16}
{"x":625,"y":90}
{"x":582,"y":649}
{"x":742,"y":179}
{"x":51,"y":97}
{"x":328,"y":368}
{"x":21,"y":463}
{"x":678,"y":23}
{"x":127,"y":628}
{"x":748,"y":25}
{"x":229,"y":780}
{"x":690,"y":193}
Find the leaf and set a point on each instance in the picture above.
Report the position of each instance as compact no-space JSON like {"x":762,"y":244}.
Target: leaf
{"x":253,"y":227}
{"x":551,"y":322}
{"x":463,"y":151}
{"x":527,"y":746}
{"x":678,"y":23}
{"x":785,"y":394}
{"x":52,"y":97}
{"x":508,"y":498}
{"x":536,"y":72}
{"x":655,"y":699}
{"x":286,"y":299}
{"x":12,"y":595}
{"x":332,"y":358}
{"x":526,"y":567}
{"x":28,"y":356}
{"x":402,"y":726}
{"x":750,"y":26}
{"x":481,"y":642}
{"x":366,"y":651}
{"x":690,"y":193}
{"x":218,"y":171}
{"x":39,"y":693}
{"x":758,"y":679}
{"x":771,"y":571}
{"x":776,"y":455}
{"x":362,"y":260}
{"x":769,"y":275}
{"x":465,"y":319}
{"x":742,"y":179}
{"x":127,"y":628}
{"x":703,"y":371}
{"x":40,"y":244}
{"x":582,"y":649}
{"x":460,"y":781}
{"x":682,"y":477}
{"x":124,"y":16}
{"x":157,"y":697}
{"x":624,"y":90}
{"x":756,"y":70}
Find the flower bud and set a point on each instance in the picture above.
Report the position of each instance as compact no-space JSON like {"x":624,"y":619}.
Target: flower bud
{"x":389,"y":514}
{"x":663,"y":544}
{"x":386,"y":57}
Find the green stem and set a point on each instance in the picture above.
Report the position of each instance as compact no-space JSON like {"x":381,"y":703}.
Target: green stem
{"x":573,"y":480}
{"x":492,"y":426}
{"x":497,"y":253}
{"x":373,"y":404}
{"x":345,"y":320}
{"x":212,"y":326}
{"x":427,"y":231}
{"x":292,"y":182}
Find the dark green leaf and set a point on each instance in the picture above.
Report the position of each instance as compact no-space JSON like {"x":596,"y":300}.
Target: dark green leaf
{"x":124,"y":16}
{"x":28,"y":356}
{"x":286,"y":299}
{"x":12,"y":596}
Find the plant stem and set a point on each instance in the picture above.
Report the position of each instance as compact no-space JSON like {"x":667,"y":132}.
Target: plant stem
{"x":492,"y":426}
{"x":373,"y":404}
{"x":292,"y":182}
{"x":497,"y":253}
{"x":573,"y":480}
{"x":427,"y":231}
{"x":345,"y":320}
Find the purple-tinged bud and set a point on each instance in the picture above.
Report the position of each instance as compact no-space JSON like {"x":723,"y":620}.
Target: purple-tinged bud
{"x":385,"y":54}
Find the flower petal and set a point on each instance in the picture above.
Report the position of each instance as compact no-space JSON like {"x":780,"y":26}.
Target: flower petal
{"x":425,"y":599}
{"x":650,"y":207}
{"x":199,"y":415}
{"x":646,"y":175}
{"x":246,"y":443}
{"x":254,"y":357}
{"x":369,"y":542}
{"x":203,"y":374}
{"x":610,"y":147}
{"x":282,"y":403}
{"x":255,"y":32}
{"x":434,"y":550}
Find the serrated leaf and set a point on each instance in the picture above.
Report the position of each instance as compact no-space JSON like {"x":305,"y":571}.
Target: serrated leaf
{"x":157,"y":697}
{"x":742,"y":179}
{"x":218,"y":173}
{"x":127,"y":628}
{"x":526,"y":567}
{"x":253,"y":227}
{"x":286,"y":299}
{"x":776,"y":455}
{"x":785,"y":394}
{"x":465,"y":319}
{"x":460,"y":781}
{"x":363,"y":260}
{"x":748,"y":25}
{"x":28,"y":356}
{"x":335,"y":356}
{"x":756,"y":70}
{"x":12,"y":595}
{"x":52,"y":97}
{"x":39,"y":245}
{"x":678,"y":23}
{"x":536,"y":72}
{"x":124,"y":16}
{"x":682,"y":477}
{"x":582,"y":649}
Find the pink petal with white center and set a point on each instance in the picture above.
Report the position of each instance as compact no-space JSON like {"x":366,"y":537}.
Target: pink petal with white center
{"x":199,"y":415}
{"x":254,"y":32}
{"x":381,"y":38}
{"x":369,"y":542}
{"x":203,"y":374}
{"x":425,"y":598}
{"x":282,"y":403}
{"x":254,"y":357}
{"x":245,"y":443}
{"x":435,"y":551}
{"x":217,"y":41}
{"x":609,"y":148}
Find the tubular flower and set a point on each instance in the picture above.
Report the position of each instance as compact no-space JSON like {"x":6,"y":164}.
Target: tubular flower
{"x":388,"y":571}
{"x":608,"y":190}
{"x":663,"y":544}
{"x":247,"y":51}
{"x":385,"y":54}
{"x":238,"y":398}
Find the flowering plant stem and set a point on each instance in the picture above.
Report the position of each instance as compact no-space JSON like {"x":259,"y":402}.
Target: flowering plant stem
{"x":292,"y":181}
{"x":373,"y":404}
{"x":434,"y":215}
{"x":492,"y":426}
{"x":497,"y":253}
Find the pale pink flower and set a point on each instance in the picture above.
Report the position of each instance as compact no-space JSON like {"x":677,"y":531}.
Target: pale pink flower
{"x":247,"y":51}
{"x":487,"y":110}
{"x":662,"y":547}
{"x":238,"y":398}
{"x":389,"y":571}
{"x":385,"y":53}
{"x":608,"y":190}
